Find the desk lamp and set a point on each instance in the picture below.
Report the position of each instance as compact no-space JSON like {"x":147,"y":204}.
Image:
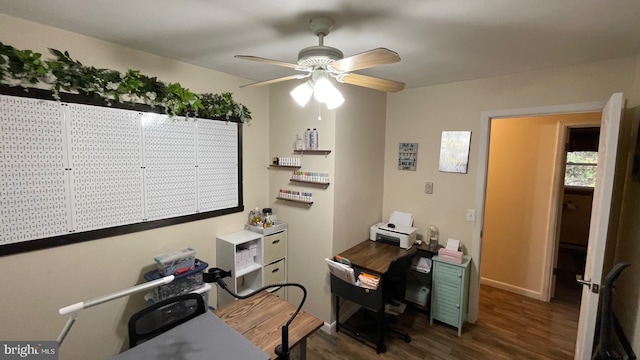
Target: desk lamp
{"x":72,"y":310}
{"x":216,"y":275}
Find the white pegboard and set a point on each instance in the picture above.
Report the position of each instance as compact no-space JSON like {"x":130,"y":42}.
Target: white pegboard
{"x":217,"y":165}
{"x":169,"y":166}
{"x":75,"y":168}
{"x":34,"y":196}
{"x":105,"y":160}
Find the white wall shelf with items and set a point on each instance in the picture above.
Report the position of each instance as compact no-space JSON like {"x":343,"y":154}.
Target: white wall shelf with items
{"x":305,"y":182}
{"x":277,"y":167}
{"x":313,"y":152}
{"x":295,"y":196}
{"x":310,"y":177}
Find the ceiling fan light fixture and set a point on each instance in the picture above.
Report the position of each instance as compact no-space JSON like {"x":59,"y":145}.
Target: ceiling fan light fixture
{"x":302,"y":93}
{"x":322,"y":89}
{"x":335,"y":101}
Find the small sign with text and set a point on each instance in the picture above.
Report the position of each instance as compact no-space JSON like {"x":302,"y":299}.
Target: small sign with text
{"x":45,"y":350}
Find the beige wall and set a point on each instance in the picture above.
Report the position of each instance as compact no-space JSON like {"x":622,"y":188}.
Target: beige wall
{"x":359,"y":179}
{"x":38,"y":283}
{"x":360,"y":126}
{"x":342,"y":213}
{"x":310,"y":227}
{"x":522,"y":164}
{"x":421,"y":114}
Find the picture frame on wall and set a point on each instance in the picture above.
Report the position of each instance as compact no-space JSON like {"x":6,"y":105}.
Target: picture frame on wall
{"x":407,"y":156}
{"x":454,"y":151}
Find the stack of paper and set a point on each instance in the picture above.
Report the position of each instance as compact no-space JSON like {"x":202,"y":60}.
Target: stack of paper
{"x":424,"y":265}
{"x":341,"y":271}
{"x":368,"y":281}
{"x":451,"y":253}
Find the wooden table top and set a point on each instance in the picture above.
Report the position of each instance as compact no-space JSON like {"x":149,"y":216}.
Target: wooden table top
{"x":374,"y":256}
{"x":260,"y":319}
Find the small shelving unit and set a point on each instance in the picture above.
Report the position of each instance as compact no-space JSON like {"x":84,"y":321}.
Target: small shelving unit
{"x":287,"y":167}
{"x":318,"y":183}
{"x":246,"y":267}
{"x":313,"y":152}
{"x":295,"y":201}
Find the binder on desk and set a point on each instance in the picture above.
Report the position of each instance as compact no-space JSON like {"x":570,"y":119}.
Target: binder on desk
{"x":341,"y":271}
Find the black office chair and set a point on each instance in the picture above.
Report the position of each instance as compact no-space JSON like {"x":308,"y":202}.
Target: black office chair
{"x":163,"y":316}
{"x":394,"y":283}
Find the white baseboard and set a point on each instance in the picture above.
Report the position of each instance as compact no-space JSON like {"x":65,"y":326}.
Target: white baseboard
{"x":512,"y":288}
{"x":331,"y":328}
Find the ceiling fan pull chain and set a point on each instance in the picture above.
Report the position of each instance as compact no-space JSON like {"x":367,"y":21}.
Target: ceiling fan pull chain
{"x":319,"y":111}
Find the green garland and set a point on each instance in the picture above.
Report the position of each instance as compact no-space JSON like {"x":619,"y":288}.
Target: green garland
{"x":63,"y":74}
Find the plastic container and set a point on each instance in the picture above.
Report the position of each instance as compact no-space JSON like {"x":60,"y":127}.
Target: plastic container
{"x":314,"y":139}
{"x":299,"y":142}
{"x":202,"y":290}
{"x":307,"y":139}
{"x":255,"y":216}
{"x":176,"y":262}
{"x":182,"y":284}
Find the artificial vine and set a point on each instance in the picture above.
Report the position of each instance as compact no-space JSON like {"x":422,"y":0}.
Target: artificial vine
{"x":64,"y":74}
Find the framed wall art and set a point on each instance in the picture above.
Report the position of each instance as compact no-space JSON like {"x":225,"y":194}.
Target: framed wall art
{"x":454,"y":151}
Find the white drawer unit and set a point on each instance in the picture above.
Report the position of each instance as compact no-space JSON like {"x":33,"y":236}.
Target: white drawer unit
{"x":275,"y":273}
{"x":275,"y":246}
{"x":450,"y":292}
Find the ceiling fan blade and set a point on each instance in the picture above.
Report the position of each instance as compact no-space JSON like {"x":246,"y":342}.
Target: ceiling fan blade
{"x":273,"y":81}
{"x":273,"y":62}
{"x":371,"y":82}
{"x":367,"y":59}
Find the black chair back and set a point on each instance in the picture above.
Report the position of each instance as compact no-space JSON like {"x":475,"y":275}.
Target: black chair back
{"x":394,"y":281}
{"x":164,"y":315}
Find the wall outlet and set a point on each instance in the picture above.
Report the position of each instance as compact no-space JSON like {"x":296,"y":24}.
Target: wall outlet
{"x":471,"y":215}
{"x":428,"y":188}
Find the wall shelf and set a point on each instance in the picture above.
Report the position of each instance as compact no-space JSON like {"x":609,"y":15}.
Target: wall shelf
{"x":323,"y":184}
{"x":296,"y":201}
{"x":277,"y":167}
{"x":313,"y":152}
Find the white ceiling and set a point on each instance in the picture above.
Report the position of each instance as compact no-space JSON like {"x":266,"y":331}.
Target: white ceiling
{"x":439,"y":41}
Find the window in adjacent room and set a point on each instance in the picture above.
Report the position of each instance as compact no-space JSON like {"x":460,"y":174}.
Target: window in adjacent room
{"x":581,"y":168}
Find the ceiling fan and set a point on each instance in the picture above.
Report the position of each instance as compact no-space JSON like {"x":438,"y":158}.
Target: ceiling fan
{"x":323,"y":62}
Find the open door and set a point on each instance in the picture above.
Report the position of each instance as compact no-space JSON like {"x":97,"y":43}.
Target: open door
{"x":598,"y":229}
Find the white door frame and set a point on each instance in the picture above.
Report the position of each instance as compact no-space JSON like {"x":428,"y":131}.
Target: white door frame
{"x":481,"y":183}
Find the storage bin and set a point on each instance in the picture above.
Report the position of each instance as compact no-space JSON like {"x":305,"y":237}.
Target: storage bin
{"x":183,"y":283}
{"x":176,"y":262}
{"x":202,"y":290}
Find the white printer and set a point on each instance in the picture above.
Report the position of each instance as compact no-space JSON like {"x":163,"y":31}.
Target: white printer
{"x":398,"y":231}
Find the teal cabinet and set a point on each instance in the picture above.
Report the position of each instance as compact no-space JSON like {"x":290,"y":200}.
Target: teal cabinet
{"x":450,"y":293}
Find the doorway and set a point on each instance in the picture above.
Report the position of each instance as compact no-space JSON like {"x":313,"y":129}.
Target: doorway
{"x":601,"y":208}
{"x":581,"y":154}
{"x":523,"y":193}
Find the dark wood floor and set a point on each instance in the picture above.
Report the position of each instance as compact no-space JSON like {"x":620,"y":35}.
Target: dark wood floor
{"x":510,"y":326}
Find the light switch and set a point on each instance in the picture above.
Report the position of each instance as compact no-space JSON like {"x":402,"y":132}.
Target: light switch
{"x":471,"y":215}
{"x":428,"y":188}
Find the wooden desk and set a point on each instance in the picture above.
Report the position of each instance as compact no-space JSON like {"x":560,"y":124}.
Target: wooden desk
{"x":374,"y":256}
{"x":260,"y":319}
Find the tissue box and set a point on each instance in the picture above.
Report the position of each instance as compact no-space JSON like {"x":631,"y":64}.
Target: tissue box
{"x":182,"y":284}
{"x":176,"y":262}
{"x":451,"y":256}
